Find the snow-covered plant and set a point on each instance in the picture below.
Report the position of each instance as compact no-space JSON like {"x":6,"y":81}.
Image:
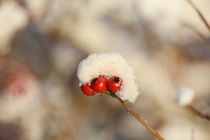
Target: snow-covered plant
{"x":109,"y":64}
{"x":184,"y":97}
{"x":109,"y":73}
{"x":20,"y":97}
{"x":19,"y":92}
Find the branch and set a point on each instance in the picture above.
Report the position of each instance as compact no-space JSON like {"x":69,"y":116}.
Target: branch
{"x":197,"y":112}
{"x":199,"y":13}
{"x":139,"y":118}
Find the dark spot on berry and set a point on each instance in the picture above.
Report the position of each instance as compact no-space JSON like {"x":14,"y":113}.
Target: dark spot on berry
{"x":94,"y":81}
{"x":116,"y":79}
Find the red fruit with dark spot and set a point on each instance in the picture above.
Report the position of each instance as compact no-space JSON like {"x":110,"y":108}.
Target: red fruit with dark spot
{"x":87,"y":90}
{"x":114,"y":84}
{"x":99,"y":84}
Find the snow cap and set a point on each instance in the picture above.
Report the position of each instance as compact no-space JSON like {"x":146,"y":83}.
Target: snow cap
{"x":109,"y":64}
{"x":184,"y":96}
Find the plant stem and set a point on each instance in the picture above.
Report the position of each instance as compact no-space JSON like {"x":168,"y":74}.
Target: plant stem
{"x":197,"y":112}
{"x":199,"y":13}
{"x":138,"y":117}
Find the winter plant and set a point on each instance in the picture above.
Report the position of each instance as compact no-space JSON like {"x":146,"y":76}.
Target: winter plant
{"x":108,"y":73}
{"x":20,"y":97}
{"x":184,"y":97}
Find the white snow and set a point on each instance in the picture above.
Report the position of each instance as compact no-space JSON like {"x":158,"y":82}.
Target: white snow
{"x":184,"y":96}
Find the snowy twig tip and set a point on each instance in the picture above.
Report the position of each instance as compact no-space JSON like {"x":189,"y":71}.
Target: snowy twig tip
{"x":184,"y":96}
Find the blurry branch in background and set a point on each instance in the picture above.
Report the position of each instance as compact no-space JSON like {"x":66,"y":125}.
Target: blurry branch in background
{"x":139,"y":118}
{"x":200,"y":14}
{"x":195,"y":31}
{"x":184,"y":97}
{"x":198,"y":113}
{"x":190,"y":107}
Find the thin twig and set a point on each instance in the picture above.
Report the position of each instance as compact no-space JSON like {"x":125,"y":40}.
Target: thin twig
{"x":199,"y":13}
{"x":197,"y":112}
{"x":139,"y":118}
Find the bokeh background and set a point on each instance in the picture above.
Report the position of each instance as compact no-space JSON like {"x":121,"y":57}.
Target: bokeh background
{"x":165,"y":41}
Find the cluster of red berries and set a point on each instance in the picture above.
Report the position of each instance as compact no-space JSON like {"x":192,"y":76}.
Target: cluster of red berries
{"x":101,"y":85}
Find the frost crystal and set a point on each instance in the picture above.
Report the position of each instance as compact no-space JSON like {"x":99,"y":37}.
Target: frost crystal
{"x":109,"y":64}
{"x":184,"y":96}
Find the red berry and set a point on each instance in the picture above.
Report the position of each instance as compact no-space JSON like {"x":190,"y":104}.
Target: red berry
{"x":114,"y":83}
{"x":99,"y":84}
{"x":87,"y":90}
{"x":16,"y":83}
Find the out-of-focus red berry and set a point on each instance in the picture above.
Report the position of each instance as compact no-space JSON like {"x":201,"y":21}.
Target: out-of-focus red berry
{"x":99,"y":84}
{"x":16,"y":83}
{"x":114,"y":83}
{"x":87,"y":90}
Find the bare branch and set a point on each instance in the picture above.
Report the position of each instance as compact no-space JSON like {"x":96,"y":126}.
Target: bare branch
{"x":138,"y":117}
{"x":199,"y":13}
{"x":197,"y":112}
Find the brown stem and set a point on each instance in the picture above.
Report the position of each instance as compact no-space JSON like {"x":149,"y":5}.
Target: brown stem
{"x":197,"y":112}
{"x":139,"y":118}
{"x":199,"y":13}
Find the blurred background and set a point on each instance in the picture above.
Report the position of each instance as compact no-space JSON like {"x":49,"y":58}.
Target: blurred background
{"x":164,"y":40}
